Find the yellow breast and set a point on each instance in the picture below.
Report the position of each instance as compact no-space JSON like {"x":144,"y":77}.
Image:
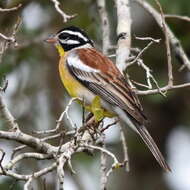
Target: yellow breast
{"x":71,"y":84}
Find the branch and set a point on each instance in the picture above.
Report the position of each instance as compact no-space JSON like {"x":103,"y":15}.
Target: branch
{"x":10,"y":9}
{"x":103,"y":158}
{"x":140,"y":54}
{"x":9,"y":40}
{"x":170,"y":73}
{"x":30,"y":141}
{"x":163,"y":89}
{"x":58,"y":9}
{"x":7,"y":116}
{"x":60,"y":170}
{"x":1,"y":160}
{"x":60,"y":120}
{"x":105,"y":26}
{"x":28,"y":184}
{"x":125,"y":152}
{"x":175,"y":44}
{"x":116,"y":162}
{"x":22,"y":156}
{"x":186,"y":18}
{"x":123,"y":33}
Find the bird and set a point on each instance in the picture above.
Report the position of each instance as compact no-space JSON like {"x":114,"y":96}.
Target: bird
{"x":86,"y":73}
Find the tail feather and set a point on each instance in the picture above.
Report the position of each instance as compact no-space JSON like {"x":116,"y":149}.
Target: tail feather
{"x":144,"y":134}
{"x":148,"y":140}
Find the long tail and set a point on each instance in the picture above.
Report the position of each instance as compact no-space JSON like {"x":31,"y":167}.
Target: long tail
{"x":146,"y":137}
{"x":148,"y":140}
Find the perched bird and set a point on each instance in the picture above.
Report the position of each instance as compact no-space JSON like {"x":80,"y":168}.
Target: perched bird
{"x":87,"y":73}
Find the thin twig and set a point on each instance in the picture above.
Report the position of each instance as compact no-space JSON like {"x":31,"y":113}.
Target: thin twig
{"x":116,"y":162}
{"x":148,"y":38}
{"x":60,"y":120}
{"x":9,"y":40}
{"x":58,"y":9}
{"x":1,"y":160}
{"x":162,"y":89}
{"x":103,"y":161}
{"x":109,"y":125}
{"x":169,"y":60}
{"x":5,"y":85}
{"x":174,"y":42}
{"x":10,"y":9}
{"x":186,"y":18}
{"x":125,"y":152}
{"x":140,"y":54}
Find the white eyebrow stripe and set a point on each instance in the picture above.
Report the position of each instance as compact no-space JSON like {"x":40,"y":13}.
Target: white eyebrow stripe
{"x":73,"y":60}
{"x":75,"y":33}
{"x":70,"y":42}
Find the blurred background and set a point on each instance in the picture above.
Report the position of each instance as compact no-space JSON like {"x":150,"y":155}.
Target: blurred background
{"x":36,"y":97}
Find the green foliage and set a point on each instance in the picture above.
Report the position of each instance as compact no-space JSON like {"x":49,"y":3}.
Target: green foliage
{"x":10,"y":184}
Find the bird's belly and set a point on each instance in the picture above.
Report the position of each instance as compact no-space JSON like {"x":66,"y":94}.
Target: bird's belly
{"x":73,"y":87}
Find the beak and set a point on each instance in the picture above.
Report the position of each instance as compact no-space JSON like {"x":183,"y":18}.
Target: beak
{"x":51,"y":39}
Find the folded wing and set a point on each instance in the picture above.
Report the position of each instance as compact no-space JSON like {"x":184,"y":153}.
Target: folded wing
{"x":97,"y":73}
{"x":102,"y":77}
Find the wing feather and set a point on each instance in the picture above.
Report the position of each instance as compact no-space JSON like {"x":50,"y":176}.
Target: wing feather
{"x":106,"y":82}
{"x":97,"y":73}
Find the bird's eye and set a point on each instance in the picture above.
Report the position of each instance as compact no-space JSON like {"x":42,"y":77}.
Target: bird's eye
{"x":63,"y":36}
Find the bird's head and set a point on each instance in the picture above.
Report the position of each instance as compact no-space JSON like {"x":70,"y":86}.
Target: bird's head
{"x":70,"y":38}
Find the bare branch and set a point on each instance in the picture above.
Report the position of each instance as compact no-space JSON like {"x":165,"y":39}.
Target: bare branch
{"x":10,"y":9}
{"x":175,"y":44}
{"x":170,"y":73}
{"x":60,"y":170}
{"x":186,"y":18}
{"x":105,"y":26}
{"x":116,"y":162}
{"x":60,"y":120}
{"x":29,"y":140}
{"x":140,"y":54}
{"x":7,"y":116}
{"x":45,"y":170}
{"x":103,"y":158}
{"x":28,"y":184}
{"x":148,"y":39}
{"x":5,"y":85}
{"x":58,"y":9}
{"x":9,"y":39}
{"x":1,"y":160}
{"x":12,"y":39}
{"x":15,"y":175}
{"x":123,"y":33}
{"x":22,"y":156}
{"x":163,"y":89}
{"x":109,"y":125}
{"x":125,"y":152}
{"x":65,"y":112}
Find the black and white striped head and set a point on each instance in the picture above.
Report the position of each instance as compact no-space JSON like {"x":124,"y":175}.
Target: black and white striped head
{"x":72,"y":37}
